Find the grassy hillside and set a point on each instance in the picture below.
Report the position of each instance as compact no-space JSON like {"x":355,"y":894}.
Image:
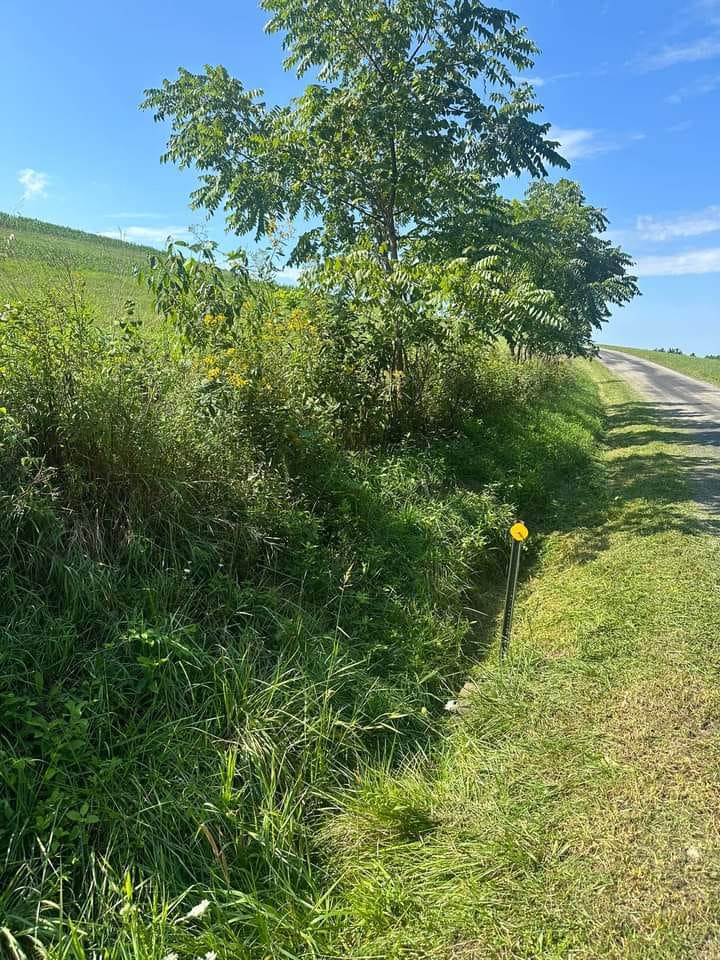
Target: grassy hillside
{"x":225,"y":600}
{"x":41,"y":255}
{"x":701,"y":368}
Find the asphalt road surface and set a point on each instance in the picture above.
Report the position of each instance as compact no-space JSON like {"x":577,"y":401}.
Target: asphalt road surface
{"x":689,"y":412}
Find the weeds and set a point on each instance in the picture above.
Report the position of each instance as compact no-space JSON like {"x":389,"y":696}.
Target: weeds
{"x":214,"y":615}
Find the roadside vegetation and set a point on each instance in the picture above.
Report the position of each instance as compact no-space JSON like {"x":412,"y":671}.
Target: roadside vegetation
{"x":247,"y":551}
{"x":700,"y":368}
{"x":572,"y":808}
{"x":215,"y":616}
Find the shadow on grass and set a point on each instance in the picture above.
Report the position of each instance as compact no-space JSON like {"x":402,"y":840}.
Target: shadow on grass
{"x":567,"y":494}
{"x":644,"y":490}
{"x":658,"y":482}
{"x":662,"y":457}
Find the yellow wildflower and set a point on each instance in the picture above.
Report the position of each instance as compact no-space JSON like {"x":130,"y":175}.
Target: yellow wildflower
{"x":213,"y":319}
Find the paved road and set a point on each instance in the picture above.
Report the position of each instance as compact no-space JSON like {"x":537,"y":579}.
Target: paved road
{"x":691,"y":411}
{"x":673,"y":392}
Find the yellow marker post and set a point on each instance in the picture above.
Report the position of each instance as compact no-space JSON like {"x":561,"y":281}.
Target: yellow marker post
{"x":519,"y":534}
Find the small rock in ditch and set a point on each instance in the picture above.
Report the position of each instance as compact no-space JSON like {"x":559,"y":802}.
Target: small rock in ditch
{"x":462,"y":704}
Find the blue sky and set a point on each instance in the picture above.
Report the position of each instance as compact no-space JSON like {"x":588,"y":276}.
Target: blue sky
{"x":631,"y":86}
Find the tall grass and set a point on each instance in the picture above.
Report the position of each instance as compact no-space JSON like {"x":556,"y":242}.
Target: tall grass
{"x":214,"y":614}
{"x":571,"y":809}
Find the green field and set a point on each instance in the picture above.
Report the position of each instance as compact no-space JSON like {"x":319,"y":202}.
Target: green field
{"x":701,"y":368}
{"x":42,"y":256}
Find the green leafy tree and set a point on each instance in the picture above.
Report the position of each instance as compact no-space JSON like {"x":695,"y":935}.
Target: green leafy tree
{"x":387,"y":165}
{"x":576,"y":274}
{"x":187,"y":284}
{"x":413,"y":116}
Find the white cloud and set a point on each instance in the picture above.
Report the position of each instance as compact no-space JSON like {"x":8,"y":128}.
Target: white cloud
{"x":621,"y":238}
{"x":680,"y":127}
{"x":707,"y":48}
{"x":533,"y":81}
{"x":147,"y":234}
{"x":700,"y":89}
{"x":289,"y":276}
{"x":33,"y":183}
{"x":680,"y":264}
{"x":686,"y":225}
{"x":576,"y":144}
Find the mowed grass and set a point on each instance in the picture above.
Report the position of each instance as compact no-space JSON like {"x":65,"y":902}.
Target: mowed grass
{"x":701,"y":368}
{"x":574,"y":810}
{"x":37,"y":257}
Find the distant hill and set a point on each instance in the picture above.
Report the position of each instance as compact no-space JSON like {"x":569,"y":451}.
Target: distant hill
{"x":40,"y":254}
{"x":11,"y":223}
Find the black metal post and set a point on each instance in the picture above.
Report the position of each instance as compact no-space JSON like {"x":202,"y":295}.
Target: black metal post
{"x":512,"y":581}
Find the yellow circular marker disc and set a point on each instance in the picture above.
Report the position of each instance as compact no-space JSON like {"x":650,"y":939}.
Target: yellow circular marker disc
{"x":519,"y":532}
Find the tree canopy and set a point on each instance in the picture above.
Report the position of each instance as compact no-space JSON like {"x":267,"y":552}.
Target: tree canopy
{"x":387,"y":167}
{"x":563,"y":252}
{"x":413,"y":116}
